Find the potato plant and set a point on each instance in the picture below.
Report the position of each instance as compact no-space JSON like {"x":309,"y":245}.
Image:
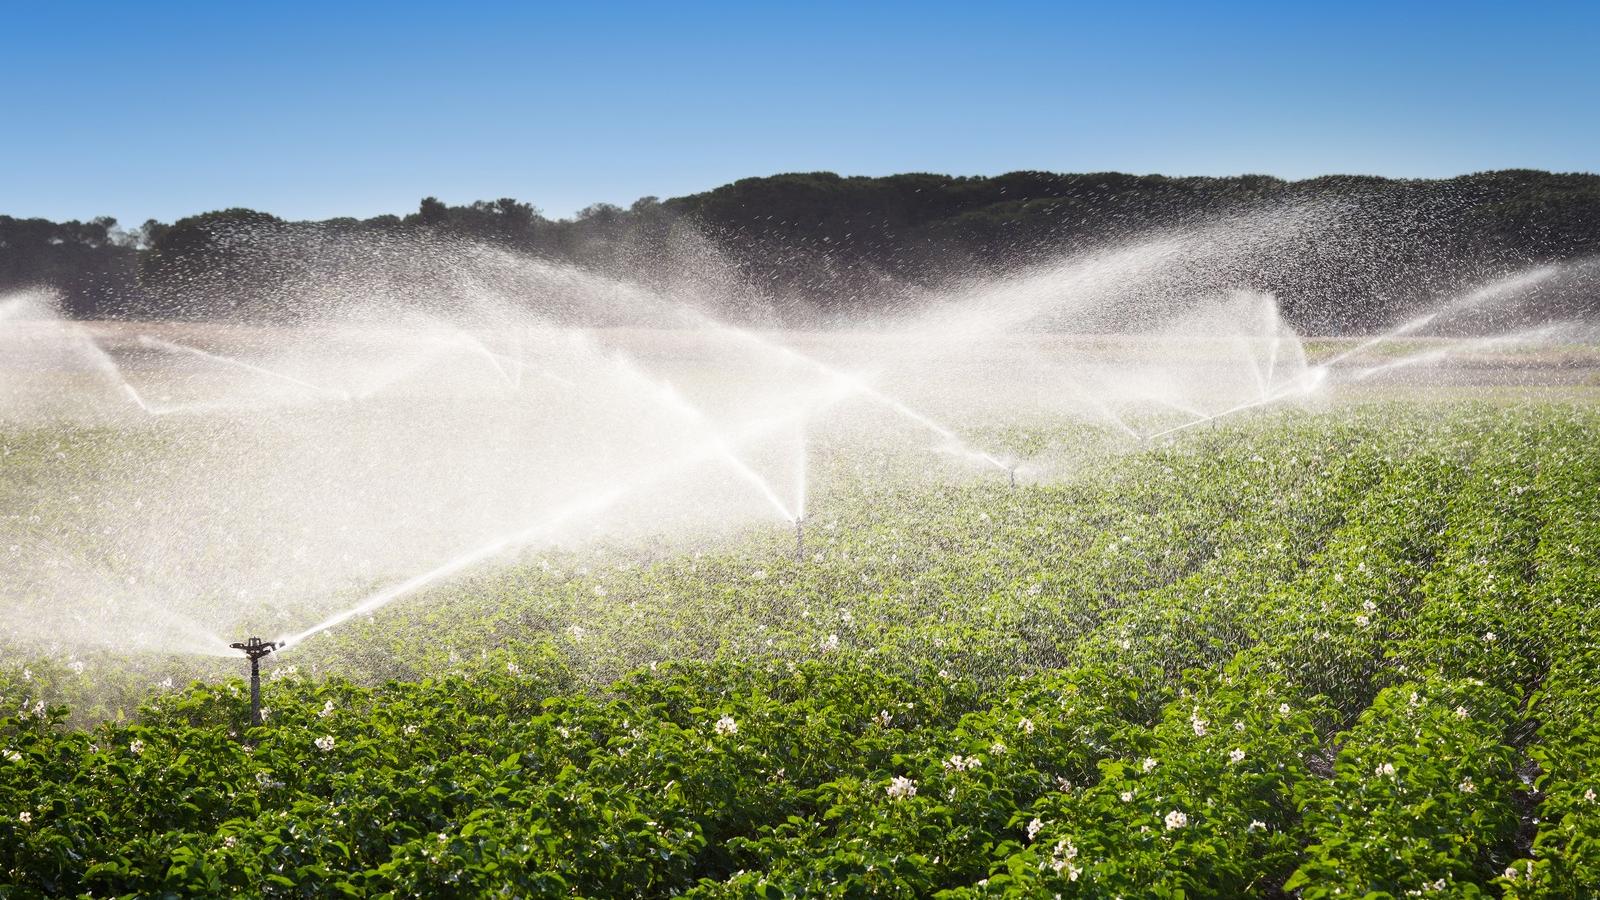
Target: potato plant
{"x":1342,"y":654}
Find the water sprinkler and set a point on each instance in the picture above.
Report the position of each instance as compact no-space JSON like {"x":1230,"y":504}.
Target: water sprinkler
{"x":800,"y":540}
{"x":255,"y":648}
{"x":1012,"y":471}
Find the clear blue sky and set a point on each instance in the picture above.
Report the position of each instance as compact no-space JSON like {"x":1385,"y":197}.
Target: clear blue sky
{"x":310,"y":110}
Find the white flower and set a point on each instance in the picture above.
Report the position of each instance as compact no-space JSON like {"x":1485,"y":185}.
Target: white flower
{"x":1588,"y":795}
{"x":759,"y":575}
{"x":409,"y":730}
{"x":997,"y":748}
{"x":830,"y":643}
{"x":1283,"y":710}
{"x":726,"y":726}
{"x":1063,"y":783}
{"x":1415,"y":700}
{"x":1176,"y":820}
{"x":883,"y":718}
{"x":960,"y":763}
{"x":1387,"y":769}
{"x":1363,"y":621}
{"x":1369,"y":606}
{"x":1239,"y":726}
{"x":1061,"y":860}
{"x":136,"y":747}
{"x":1256,"y":825}
{"x":327,"y":710}
{"x":1461,"y":712}
{"x":1511,"y":872}
{"x":1127,"y":796}
{"x":1034,"y":828}
{"x":1149,"y":763}
{"x":1025,"y":726}
{"x":513,"y":669}
{"x":1237,"y":756}
{"x":25,"y":817}
{"x":229,"y":841}
{"x":1466,"y":786}
{"x":12,"y":755}
{"x":1489,"y":636}
{"x":901,"y":787}
{"x":325,"y":743}
{"x":1198,"y":724}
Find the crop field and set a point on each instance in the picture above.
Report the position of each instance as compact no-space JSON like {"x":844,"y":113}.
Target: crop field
{"x":1343,"y":652}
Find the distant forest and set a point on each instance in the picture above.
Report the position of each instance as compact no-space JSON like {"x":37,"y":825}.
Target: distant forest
{"x":823,"y":247}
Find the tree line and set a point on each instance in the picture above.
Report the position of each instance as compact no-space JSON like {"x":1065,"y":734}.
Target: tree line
{"x":825,"y":247}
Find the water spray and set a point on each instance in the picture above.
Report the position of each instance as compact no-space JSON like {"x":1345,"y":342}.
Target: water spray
{"x":255,"y":648}
{"x":799,"y":540}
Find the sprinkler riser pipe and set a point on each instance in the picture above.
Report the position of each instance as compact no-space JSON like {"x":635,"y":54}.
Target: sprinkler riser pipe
{"x":255,"y":693}
{"x":255,"y":648}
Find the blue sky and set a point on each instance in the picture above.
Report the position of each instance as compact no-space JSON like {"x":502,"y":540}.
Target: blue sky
{"x":310,"y":110}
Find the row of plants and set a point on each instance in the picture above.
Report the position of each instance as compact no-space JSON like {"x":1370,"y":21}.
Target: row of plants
{"x":1337,"y":656}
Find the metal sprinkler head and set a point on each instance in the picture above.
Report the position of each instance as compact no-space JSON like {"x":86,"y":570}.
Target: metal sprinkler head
{"x":255,"y":648}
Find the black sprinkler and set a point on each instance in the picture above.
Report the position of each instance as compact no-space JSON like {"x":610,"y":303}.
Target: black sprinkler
{"x":255,"y":648}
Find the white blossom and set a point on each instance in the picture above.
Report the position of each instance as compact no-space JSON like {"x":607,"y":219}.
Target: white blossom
{"x":1149,"y":764}
{"x":901,"y":788}
{"x":726,"y":726}
{"x":1025,"y":726}
{"x":1237,"y":756}
{"x":1176,"y":820}
{"x":25,"y":817}
{"x":1256,"y":825}
{"x":1061,"y":860}
{"x":1034,"y":828}
{"x":961,"y":763}
{"x":136,"y":747}
{"x":1466,"y":786}
{"x":325,"y":743}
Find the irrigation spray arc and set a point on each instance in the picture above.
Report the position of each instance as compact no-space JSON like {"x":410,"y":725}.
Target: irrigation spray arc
{"x":340,"y":397}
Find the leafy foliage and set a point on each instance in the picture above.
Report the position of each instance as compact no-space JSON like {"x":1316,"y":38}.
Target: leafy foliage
{"x":1347,"y":655}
